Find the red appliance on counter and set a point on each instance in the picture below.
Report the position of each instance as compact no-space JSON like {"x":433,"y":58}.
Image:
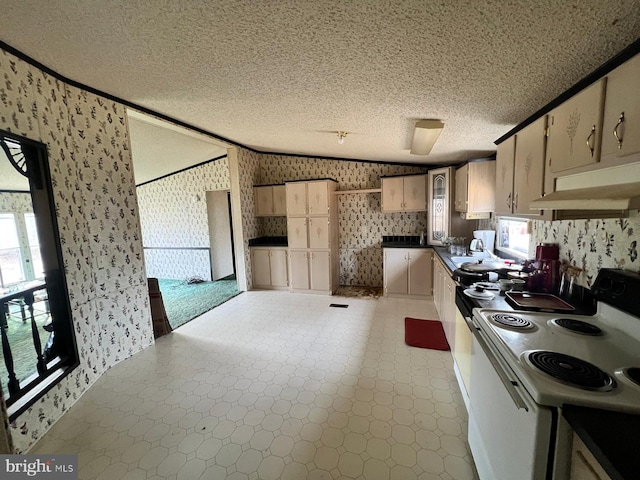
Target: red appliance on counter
{"x":546,"y":278}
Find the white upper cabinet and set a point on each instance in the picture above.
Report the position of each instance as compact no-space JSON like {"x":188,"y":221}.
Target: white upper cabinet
{"x":279,"y":200}
{"x":270,"y":201}
{"x":621,"y":124}
{"x":296,"y":198}
{"x":575,"y":130}
{"x":404,"y":194}
{"x":475,"y":194}
{"x":528,"y":176}
{"x":318,"y":198}
{"x":505,"y":157}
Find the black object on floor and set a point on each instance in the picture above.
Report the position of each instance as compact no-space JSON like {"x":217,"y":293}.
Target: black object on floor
{"x":339,"y":305}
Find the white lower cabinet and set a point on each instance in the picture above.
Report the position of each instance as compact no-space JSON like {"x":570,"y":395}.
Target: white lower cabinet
{"x":270,"y":267}
{"x":408,"y":271}
{"x":311,"y":271}
{"x":584,"y":465}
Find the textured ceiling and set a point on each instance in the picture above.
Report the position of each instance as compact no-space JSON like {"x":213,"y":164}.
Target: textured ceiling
{"x":284,"y":75}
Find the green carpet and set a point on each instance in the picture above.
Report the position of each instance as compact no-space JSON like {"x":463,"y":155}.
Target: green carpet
{"x":22,"y":349}
{"x":184,"y":302}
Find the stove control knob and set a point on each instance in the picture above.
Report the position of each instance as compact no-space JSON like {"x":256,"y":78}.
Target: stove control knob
{"x":618,"y":287}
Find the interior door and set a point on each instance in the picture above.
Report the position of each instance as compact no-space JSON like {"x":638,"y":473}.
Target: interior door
{"x":220,"y":237}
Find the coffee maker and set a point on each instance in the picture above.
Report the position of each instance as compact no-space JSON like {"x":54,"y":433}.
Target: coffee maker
{"x":547,"y":277}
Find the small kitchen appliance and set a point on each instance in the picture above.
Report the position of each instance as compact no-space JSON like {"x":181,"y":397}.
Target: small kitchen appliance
{"x":526,"y":365}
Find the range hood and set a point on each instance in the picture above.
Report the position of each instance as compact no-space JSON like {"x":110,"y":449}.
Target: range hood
{"x":613,"y":188}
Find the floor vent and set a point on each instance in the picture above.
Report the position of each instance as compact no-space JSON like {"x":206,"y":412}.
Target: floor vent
{"x":339,"y":305}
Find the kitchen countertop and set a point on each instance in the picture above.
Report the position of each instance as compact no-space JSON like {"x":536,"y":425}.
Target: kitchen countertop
{"x":611,"y":436}
{"x":269,"y":242}
{"x":402,"y":241}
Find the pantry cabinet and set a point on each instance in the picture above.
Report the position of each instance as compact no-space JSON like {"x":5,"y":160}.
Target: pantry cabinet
{"x":621,"y":122}
{"x":520,"y":171}
{"x":270,"y":200}
{"x":404,"y":194}
{"x":408,"y":271}
{"x":312,"y":236}
{"x":575,"y":130}
{"x":475,"y":189}
{"x":270,"y":267}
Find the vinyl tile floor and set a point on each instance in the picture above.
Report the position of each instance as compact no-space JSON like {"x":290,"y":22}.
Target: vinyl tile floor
{"x":273,"y":385}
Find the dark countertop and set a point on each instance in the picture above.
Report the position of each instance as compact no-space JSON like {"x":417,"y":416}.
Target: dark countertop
{"x":402,"y":241}
{"x":612,"y":437}
{"x":269,"y":242}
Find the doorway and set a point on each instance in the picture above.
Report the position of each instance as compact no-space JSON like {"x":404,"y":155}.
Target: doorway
{"x":220,"y":234}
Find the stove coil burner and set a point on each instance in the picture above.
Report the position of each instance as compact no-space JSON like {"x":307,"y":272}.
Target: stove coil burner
{"x":571,"y":370}
{"x":511,"y":321}
{"x":578,"y":326}
{"x":633,"y":374}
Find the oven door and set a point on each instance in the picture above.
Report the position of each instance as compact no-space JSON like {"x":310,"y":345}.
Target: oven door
{"x":509,"y":434}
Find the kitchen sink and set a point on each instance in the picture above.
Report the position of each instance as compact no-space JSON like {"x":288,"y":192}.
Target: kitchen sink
{"x":469,"y":258}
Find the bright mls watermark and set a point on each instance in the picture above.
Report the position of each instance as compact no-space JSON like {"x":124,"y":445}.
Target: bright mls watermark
{"x":52,"y":467}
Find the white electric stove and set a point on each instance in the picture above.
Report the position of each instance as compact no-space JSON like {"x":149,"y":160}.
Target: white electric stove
{"x":526,"y":365}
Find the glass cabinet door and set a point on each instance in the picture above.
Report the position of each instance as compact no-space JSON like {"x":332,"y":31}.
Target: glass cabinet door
{"x":439,"y":205}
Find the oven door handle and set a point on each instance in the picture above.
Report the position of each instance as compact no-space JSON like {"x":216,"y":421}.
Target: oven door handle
{"x":509,"y":384}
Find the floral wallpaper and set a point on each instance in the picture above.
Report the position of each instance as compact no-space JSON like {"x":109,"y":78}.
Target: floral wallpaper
{"x":592,"y":244}
{"x":361,"y":222}
{"x":173,"y":213}
{"x":13,"y":202}
{"x":97,"y":210}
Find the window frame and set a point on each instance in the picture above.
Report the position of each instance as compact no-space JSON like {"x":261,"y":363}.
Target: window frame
{"x":34,"y":165}
{"x":512,"y":252}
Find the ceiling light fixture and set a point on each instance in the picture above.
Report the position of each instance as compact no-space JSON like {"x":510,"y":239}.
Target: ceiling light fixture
{"x":425,"y":135}
{"x":341,"y":136}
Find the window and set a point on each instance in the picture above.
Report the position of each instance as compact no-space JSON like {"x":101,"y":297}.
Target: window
{"x":10,"y":259}
{"x":34,"y":358}
{"x":513,"y":236}
{"x":34,"y":245}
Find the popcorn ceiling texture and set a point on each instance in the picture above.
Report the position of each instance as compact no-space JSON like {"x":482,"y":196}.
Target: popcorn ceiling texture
{"x":284,"y":76}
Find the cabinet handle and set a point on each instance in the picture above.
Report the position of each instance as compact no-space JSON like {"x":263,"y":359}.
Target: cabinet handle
{"x":592,"y":134}
{"x":515,"y":201}
{"x":615,"y":130}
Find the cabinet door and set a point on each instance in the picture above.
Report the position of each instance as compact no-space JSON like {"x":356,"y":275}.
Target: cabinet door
{"x":481,"y":187}
{"x":318,"y":232}
{"x":415,"y":193}
{"x":575,"y":129}
{"x":450,"y":310}
{"x":622,"y":99}
{"x":279,"y":200}
{"x":584,"y":465}
{"x":320,"y":271}
{"x":264,"y":201}
{"x":396,"y":271}
{"x":462,"y":184}
{"x":420,"y":272}
{"x":462,"y":350}
{"x":528,"y":180}
{"x":279,"y":268}
{"x":299,"y":263}
{"x":439,"y":205}
{"x":297,"y":232}
{"x":504,"y":176}
{"x":261,"y":267}
{"x":318,"y":198}
{"x":296,"y":198}
{"x":392,"y":194}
